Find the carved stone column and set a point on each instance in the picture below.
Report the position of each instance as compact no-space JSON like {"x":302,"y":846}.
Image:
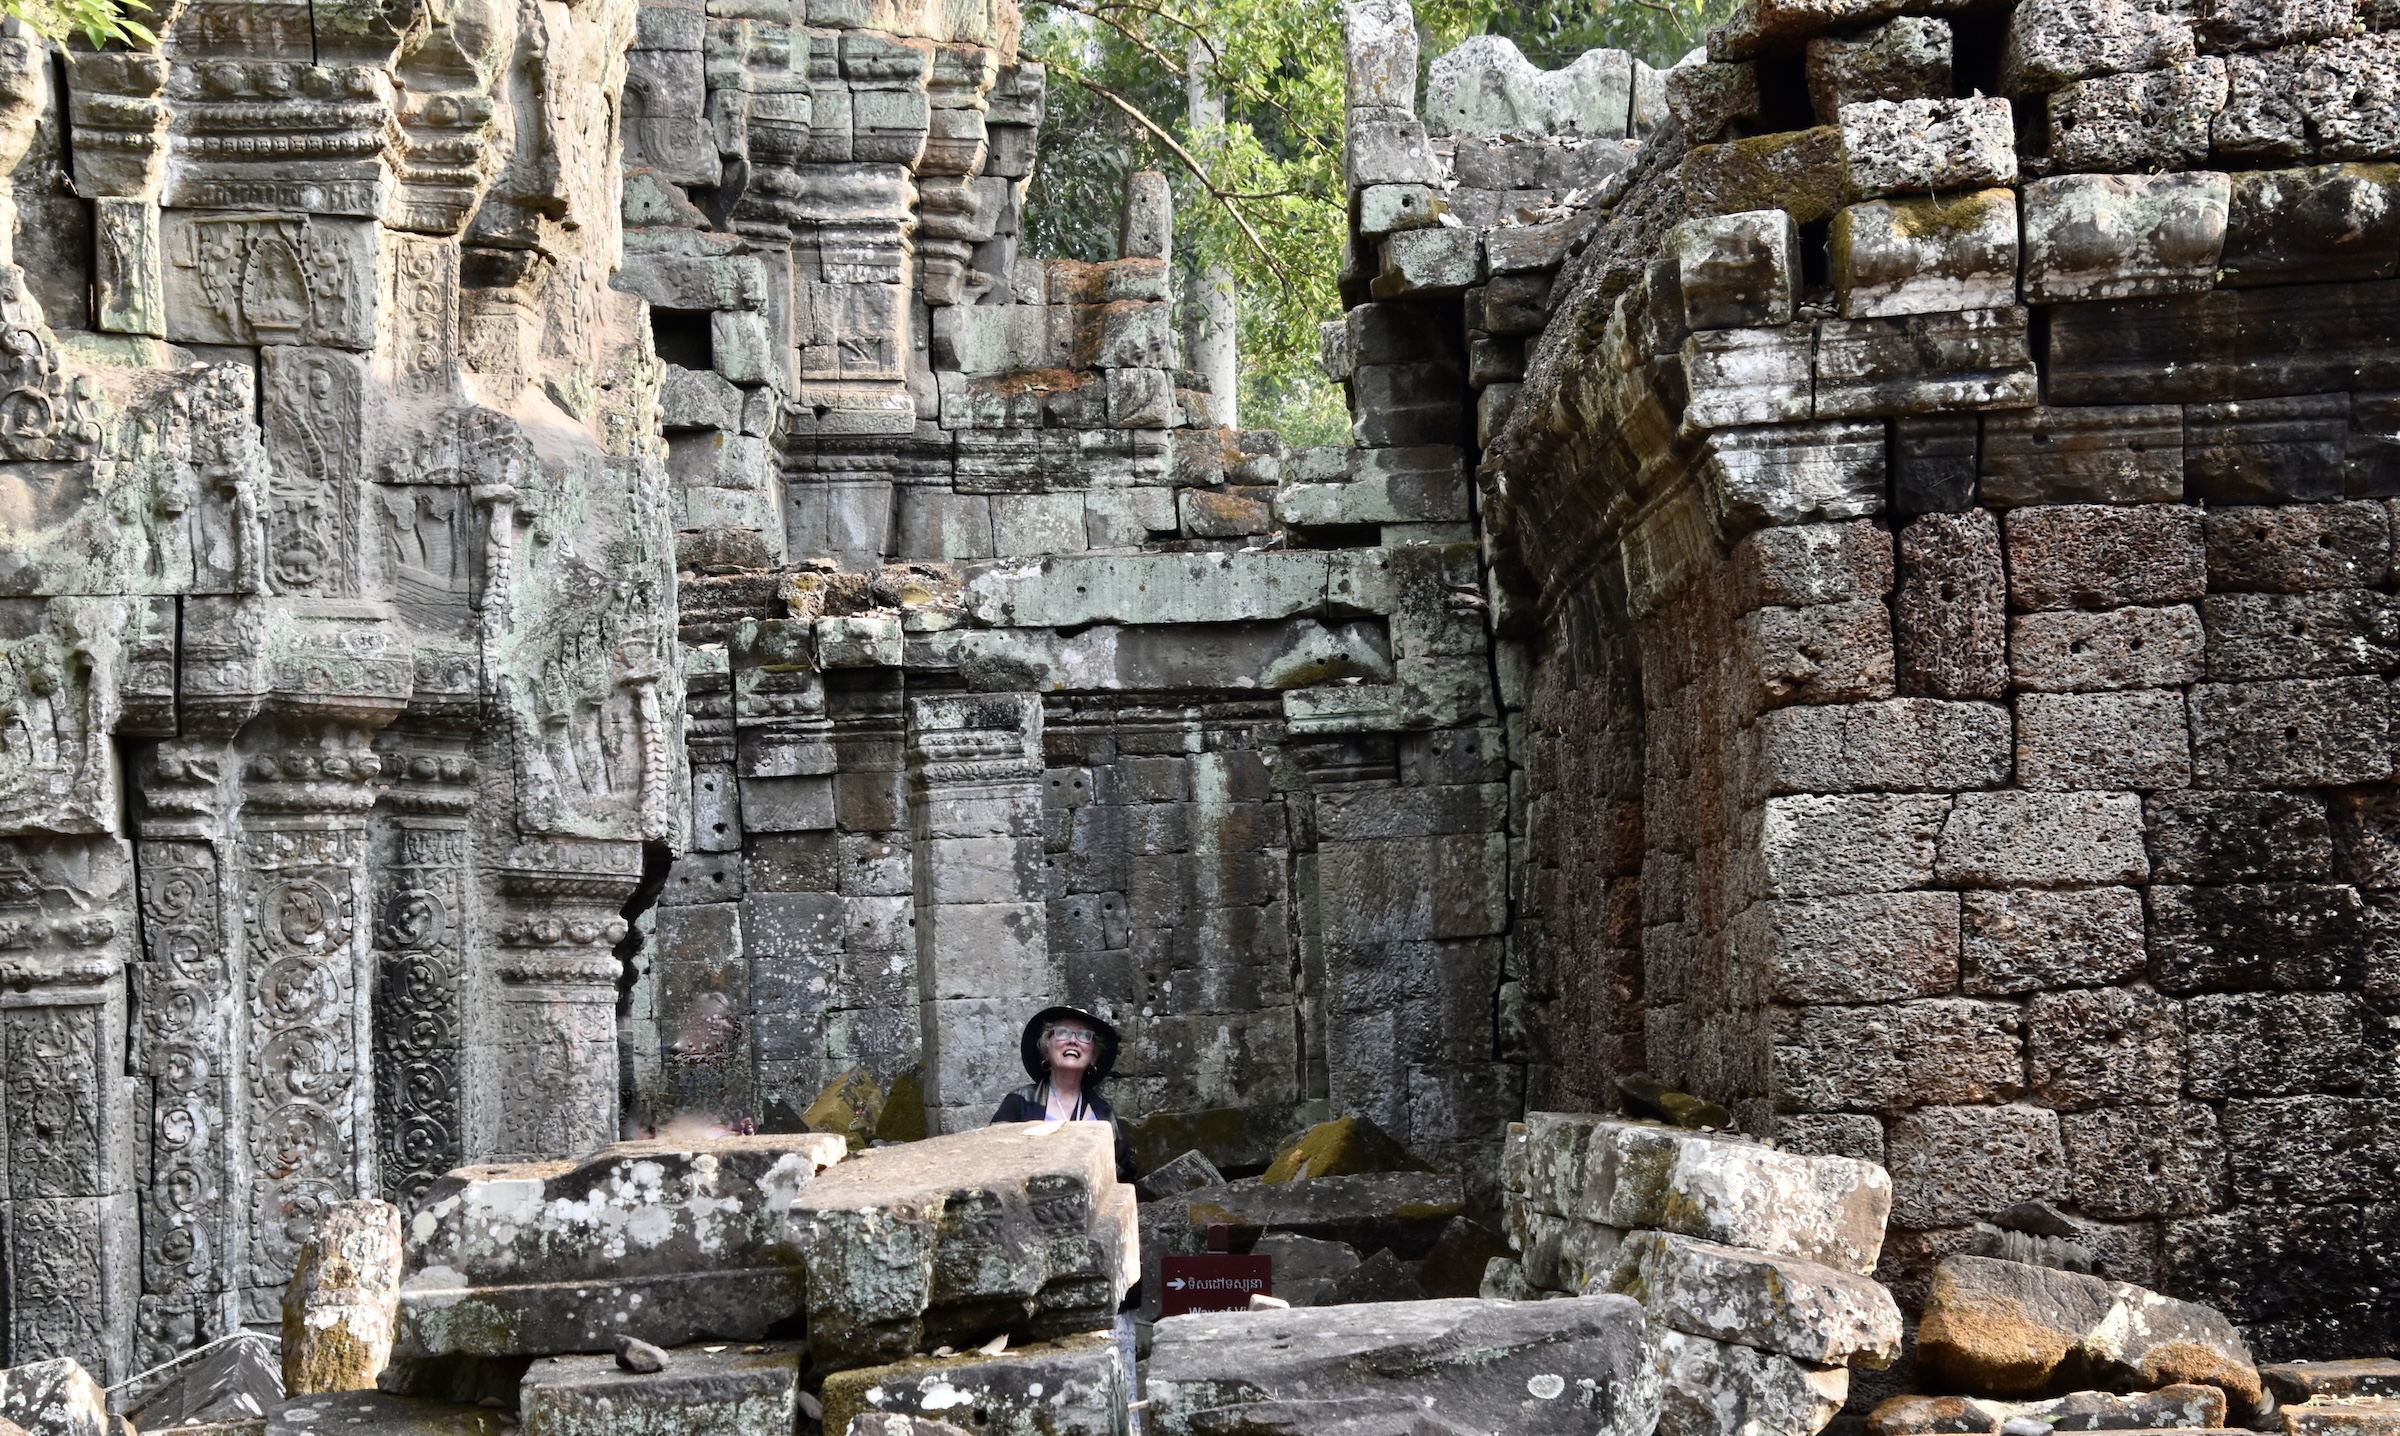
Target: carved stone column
{"x":983,"y":953}
{"x":422,"y":915}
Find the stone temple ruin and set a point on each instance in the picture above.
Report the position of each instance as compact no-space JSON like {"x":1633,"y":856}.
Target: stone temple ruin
{"x":564,"y":582}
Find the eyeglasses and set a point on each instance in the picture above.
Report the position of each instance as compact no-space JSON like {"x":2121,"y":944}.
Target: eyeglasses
{"x":1073,"y":1034}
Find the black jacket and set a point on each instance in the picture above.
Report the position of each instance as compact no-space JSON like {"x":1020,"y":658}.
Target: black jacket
{"x":1030,"y":1103}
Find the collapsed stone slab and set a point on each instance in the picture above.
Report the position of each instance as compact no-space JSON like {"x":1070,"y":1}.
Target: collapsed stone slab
{"x":1074,"y":1386}
{"x":1586,"y":1365}
{"x":727,"y":1392}
{"x":1711,"y":1388}
{"x":1801,"y":1309}
{"x":667,"y":1241}
{"x":1020,"y":1228}
{"x":2182,"y":1407}
{"x":54,"y":1398}
{"x":377,"y":1413}
{"x":1641,"y":1176}
{"x":227,"y":1383}
{"x":2002,"y":1328}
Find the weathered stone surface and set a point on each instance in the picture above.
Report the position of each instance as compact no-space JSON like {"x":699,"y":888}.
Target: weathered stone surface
{"x":2042,"y":840}
{"x":1707,"y":1387}
{"x":343,"y":1299}
{"x":668,"y":1241}
{"x":2052,"y":43}
{"x":2012,"y":1329}
{"x":2027,"y":939}
{"x":2250,"y":936}
{"x":2297,"y":733}
{"x":2117,"y":648}
{"x":375,"y":1413}
{"x":2086,"y":556}
{"x":1796,"y":473}
{"x":1074,"y":1386}
{"x":2293,"y":1382}
{"x":2236,"y":837}
{"x":1374,"y":1209}
{"x":1923,"y":363}
{"x":1485,"y":87}
{"x":2298,"y":549}
{"x":2102,"y":740}
{"x":1920,"y":146}
{"x":1823,"y":845}
{"x":1932,"y":1187}
{"x":2326,"y":223}
{"x":53,"y":1398}
{"x":2108,"y":236}
{"x":2101,"y":454}
{"x":734,"y":1391}
{"x":1800,"y":172}
{"x":1800,"y":1309}
{"x":1738,"y":270}
{"x":1020,"y":1227}
{"x":1947,"y":616}
{"x":1920,"y":256}
{"x":1827,"y":1210}
{"x":1902,"y":744}
{"x":1813,"y":563}
{"x":1889,"y":1058}
{"x":1487,"y":1365}
{"x":1904,"y":59}
{"x":2134,"y":122}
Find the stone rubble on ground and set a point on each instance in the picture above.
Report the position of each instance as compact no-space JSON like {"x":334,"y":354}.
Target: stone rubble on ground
{"x":344,"y":1296}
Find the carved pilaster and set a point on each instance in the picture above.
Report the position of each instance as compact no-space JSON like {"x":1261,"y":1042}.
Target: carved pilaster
{"x":69,"y":1268}
{"x":421,"y":924}
{"x":975,"y":807}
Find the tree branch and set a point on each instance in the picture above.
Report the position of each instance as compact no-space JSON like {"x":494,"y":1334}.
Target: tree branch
{"x":1199,"y":172}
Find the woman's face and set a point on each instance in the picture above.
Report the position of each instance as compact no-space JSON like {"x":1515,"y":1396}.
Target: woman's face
{"x":1071,"y":1048}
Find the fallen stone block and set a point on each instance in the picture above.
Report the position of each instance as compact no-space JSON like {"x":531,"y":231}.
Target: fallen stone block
{"x":2008,"y":1329}
{"x":1719,"y":1388}
{"x":1403,"y":1210}
{"x":1829,"y":1210}
{"x":1348,"y":1146}
{"x":2171,"y":1408}
{"x":2343,"y":1416}
{"x":230,"y":1382}
{"x":54,"y":1398}
{"x":1074,"y":1386}
{"x":376,"y":1413}
{"x":342,"y":1300}
{"x":1801,"y":1309}
{"x":727,"y":1392}
{"x":671,"y":1242}
{"x":2294,"y":1382}
{"x":1020,"y":1227}
{"x":1585,"y":1366}
{"x":1307,"y":1269}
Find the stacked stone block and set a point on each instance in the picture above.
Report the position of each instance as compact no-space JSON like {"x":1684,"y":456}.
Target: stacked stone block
{"x":1752,"y":1264}
{"x":1988,"y":485}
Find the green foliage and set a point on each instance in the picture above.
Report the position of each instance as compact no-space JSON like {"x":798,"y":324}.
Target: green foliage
{"x":98,"y":22}
{"x":1261,"y":192}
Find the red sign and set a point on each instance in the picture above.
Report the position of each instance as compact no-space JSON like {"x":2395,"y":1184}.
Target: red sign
{"x":1213,"y":1283}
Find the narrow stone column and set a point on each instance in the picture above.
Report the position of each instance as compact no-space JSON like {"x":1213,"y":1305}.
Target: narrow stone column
{"x":983,"y":953}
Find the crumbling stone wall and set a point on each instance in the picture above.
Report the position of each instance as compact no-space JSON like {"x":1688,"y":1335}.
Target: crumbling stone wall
{"x":1969,"y":431}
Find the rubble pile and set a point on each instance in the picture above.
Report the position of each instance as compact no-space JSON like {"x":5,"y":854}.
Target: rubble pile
{"x":1755,"y":1265}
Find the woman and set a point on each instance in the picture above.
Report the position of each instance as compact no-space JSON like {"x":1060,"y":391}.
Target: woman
{"x":1068,"y":1052}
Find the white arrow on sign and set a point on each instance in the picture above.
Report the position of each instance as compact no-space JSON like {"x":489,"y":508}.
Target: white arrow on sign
{"x":1175,"y":1285}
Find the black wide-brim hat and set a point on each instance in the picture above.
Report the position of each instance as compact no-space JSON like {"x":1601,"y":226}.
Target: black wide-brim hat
{"x":1104,"y":1059}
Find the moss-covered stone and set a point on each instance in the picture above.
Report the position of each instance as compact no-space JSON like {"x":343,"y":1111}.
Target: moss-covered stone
{"x":1799,"y":172}
{"x":851,"y":1105}
{"x":1348,"y":1146}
